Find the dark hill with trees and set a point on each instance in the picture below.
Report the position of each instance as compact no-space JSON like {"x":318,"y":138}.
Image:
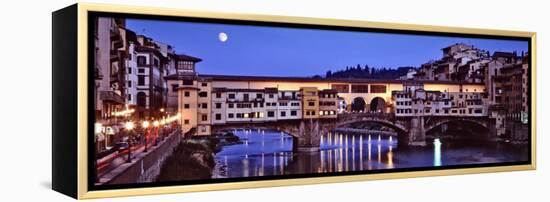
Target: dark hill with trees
{"x":368,"y":72}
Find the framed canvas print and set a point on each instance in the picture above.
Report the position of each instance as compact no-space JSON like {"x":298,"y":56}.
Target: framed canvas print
{"x":153,"y":100}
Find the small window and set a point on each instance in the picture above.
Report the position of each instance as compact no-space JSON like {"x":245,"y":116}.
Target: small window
{"x":204,"y":117}
{"x":218,"y":105}
{"x":218,"y":95}
{"x":141,"y":60}
{"x":204,"y":105}
{"x":230,"y":105}
{"x":186,"y":94}
{"x":231,"y":96}
{"x":141,"y":70}
{"x":230,"y":115}
{"x":203,"y":94}
{"x":293,"y":113}
{"x":175,"y":87}
{"x":129,"y":84}
{"x":129,"y":70}
{"x":218,"y":116}
{"x":141,"y":80}
{"x":186,"y":121}
{"x":311,"y":104}
{"x":204,"y":84}
{"x":283,"y":114}
{"x":270,"y":114}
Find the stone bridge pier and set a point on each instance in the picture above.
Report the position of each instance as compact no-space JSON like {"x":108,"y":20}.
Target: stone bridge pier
{"x":417,"y":132}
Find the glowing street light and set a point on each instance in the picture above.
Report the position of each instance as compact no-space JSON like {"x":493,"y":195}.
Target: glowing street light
{"x":129,"y":126}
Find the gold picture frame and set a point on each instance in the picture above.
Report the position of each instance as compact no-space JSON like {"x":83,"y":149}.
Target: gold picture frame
{"x":78,"y":187}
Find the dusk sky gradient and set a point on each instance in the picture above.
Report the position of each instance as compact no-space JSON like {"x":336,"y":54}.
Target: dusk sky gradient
{"x":276,"y":51}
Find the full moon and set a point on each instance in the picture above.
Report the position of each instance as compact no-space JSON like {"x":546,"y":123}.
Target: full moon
{"x":222,"y":36}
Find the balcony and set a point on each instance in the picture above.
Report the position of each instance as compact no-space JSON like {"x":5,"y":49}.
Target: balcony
{"x":111,"y":96}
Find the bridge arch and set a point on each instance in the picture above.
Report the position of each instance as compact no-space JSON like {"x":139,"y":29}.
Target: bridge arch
{"x":399,"y":128}
{"x":440,"y":122}
{"x":378,"y":104}
{"x":358,"y":104}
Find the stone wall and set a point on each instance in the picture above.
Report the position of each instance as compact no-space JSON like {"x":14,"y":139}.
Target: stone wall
{"x":146,"y":167}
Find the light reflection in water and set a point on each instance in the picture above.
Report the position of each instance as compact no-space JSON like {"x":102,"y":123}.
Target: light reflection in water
{"x":437,"y":152}
{"x":266,"y":152}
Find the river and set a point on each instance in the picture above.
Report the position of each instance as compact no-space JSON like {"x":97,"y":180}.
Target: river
{"x":268,"y":152}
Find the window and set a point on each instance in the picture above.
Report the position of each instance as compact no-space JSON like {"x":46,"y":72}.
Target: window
{"x":311,"y":104}
{"x":186,"y":94}
{"x":175,"y":87}
{"x":293,"y":113}
{"x":141,"y":80}
{"x":270,"y":95}
{"x":187,"y":82}
{"x":283,"y":104}
{"x":218,"y":116}
{"x":295,"y":104}
{"x":341,"y":88}
{"x":186,"y":121}
{"x":259,"y":96}
{"x":204,"y":117}
{"x":141,"y":70}
{"x":270,"y":114}
{"x":204,"y":105}
{"x":378,"y":89}
{"x":141,"y":60}
{"x":283,"y":114}
{"x":245,"y":97}
{"x":218,"y":105}
{"x":359,"y":88}
{"x":218,"y":95}
{"x":230,"y":115}
{"x":203,"y":84}
{"x":203,"y":94}
{"x":230,"y":105}
{"x":129,"y":84}
{"x":129,"y":70}
{"x":231,"y":96}
{"x":129,"y":97}
{"x":313,"y":113}
{"x":186,"y":106}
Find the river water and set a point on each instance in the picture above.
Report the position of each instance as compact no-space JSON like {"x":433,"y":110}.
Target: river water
{"x":268,"y":152}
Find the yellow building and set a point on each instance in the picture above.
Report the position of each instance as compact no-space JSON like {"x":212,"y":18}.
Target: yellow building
{"x":310,"y":102}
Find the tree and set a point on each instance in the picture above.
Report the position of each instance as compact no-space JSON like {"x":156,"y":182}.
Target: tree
{"x":329,"y":74}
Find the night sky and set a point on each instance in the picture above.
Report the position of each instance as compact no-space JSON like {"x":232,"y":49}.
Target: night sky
{"x":274,"y":51}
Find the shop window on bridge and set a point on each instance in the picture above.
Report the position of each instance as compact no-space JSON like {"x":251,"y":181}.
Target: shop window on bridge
{"x":360,"y":88}
{"x":341,"y":88}
{"x":377,"y":89}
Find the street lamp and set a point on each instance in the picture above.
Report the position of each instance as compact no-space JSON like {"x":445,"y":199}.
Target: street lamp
{"x":145,"y":126}
{"x":129,"y":126}
{"x":156,"y":125}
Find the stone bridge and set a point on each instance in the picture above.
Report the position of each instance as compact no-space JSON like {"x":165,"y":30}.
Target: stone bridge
{"x":306,"y":133}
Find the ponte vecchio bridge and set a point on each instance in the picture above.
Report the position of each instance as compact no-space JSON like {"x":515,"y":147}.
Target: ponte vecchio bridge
{"x":305,"y":108}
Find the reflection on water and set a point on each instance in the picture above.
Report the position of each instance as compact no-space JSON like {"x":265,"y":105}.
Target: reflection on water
{"x":270,"y":153}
